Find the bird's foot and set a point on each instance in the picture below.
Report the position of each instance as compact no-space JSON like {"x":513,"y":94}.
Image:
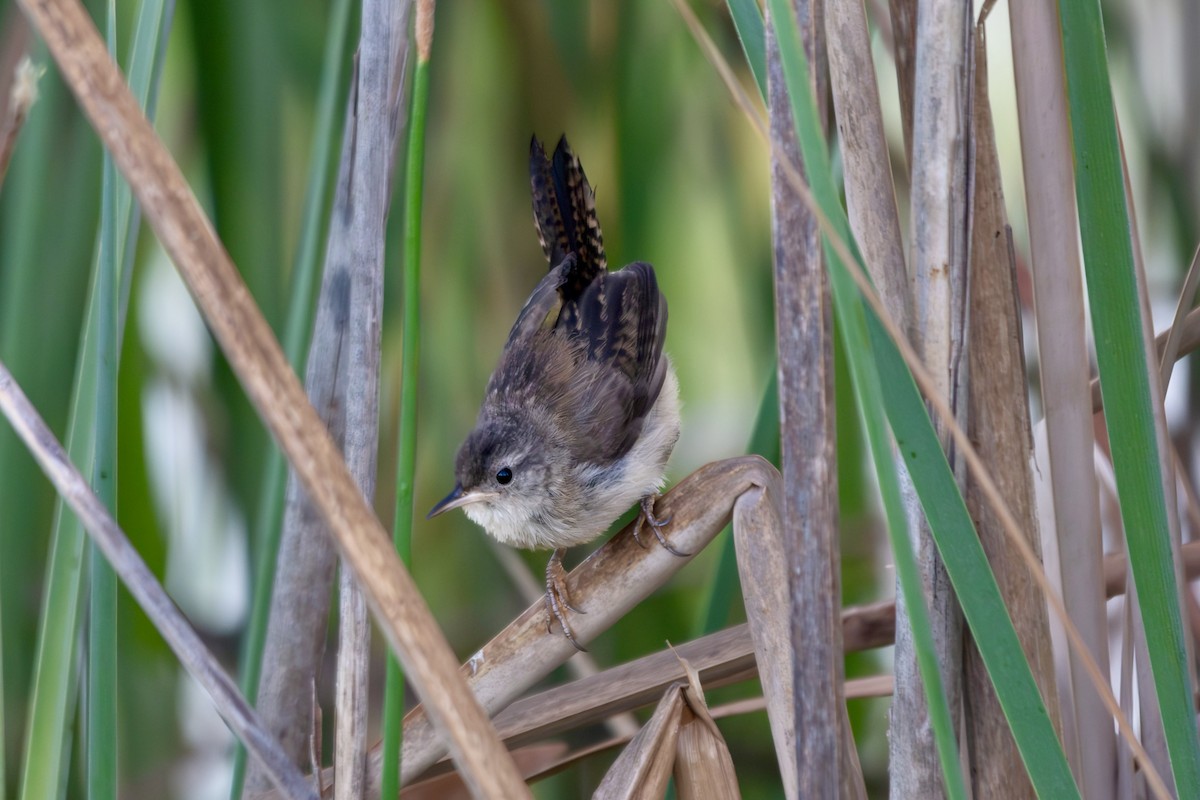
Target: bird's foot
{"x":647,"y":517}
{"x":558,"y":598}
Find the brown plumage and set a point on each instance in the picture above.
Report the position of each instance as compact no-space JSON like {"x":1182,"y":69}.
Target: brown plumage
{"x":582,"y":410}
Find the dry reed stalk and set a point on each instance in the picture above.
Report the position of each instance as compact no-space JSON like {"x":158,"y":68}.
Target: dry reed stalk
{"x":870,"y":201}
{"x":342,"y":383}
{"x":681,"y":739}
{"x":804,"y":334}
{"x":870,"y":191}
{"x":874,"y":686}
{"x":904,"y":52}
{"x":531,"y":591}
{"x":940,"y":228}
{"x":1075,"y":538}
{"x":999,"y":423}
{"x":703,"y":765}
{"x":720,"y":659}
{"x":761,"y":548}
{"x":644,"y":768}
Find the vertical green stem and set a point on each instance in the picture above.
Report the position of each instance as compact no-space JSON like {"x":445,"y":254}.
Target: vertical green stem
{"x":393,"y":713}
{"x":1104,"y":227}
{"x":102,"y":612}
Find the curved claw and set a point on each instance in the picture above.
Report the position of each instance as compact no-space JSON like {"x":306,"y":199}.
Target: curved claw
{"x":647,"y":516}
{"x":558,"y":599}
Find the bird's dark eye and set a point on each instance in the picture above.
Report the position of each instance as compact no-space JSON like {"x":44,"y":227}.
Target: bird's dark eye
{"x":504,"y":476}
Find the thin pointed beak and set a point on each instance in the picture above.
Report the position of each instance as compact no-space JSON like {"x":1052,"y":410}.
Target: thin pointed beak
{"x":455,"y":499}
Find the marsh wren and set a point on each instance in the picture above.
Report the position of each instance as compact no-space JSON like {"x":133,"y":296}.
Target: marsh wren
{"x":582,"y":411}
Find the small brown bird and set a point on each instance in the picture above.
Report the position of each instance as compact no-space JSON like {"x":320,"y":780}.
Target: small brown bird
{"x":582,"y":412}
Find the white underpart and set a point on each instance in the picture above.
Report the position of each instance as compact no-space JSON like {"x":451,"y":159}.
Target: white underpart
{"x":643,"y":473}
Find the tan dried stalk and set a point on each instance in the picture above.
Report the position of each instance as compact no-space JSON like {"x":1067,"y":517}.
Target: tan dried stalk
{"x":999,"y":423}
{"x":644,"y":768}
{"x":939,"y":247}
{"x":342,"y":383}
{"x":720,"y":659}
{"x":870,"y":204}
{"x":811,"y":586}
{"x":681,"y":739}
{"x":904,"y":52}
{"x":870,"y":191}
{"x":1058,"y":296}
{"x":703,"y":765}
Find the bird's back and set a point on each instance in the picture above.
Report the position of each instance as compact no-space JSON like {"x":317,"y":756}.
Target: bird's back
{"x":588,"y":342}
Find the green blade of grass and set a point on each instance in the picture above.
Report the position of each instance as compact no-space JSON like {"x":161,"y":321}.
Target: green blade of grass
{"x":50,"y":188}
{"x":297,"y":328}
{"x":954,"y":534}
{"x":1104,"y":226}
{"x":393,"y":713}
{"x":48,"y":732}
{"x":101,"y":714}
{"x":748,"y":20}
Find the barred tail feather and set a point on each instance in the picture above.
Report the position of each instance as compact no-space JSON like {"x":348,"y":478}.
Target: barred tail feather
{"x":564,"y":212}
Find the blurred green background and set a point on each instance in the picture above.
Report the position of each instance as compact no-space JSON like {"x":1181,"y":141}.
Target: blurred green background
{"x":681,"y":181}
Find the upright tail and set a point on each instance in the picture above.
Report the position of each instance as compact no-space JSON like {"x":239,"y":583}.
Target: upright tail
{"x":564,"y":212}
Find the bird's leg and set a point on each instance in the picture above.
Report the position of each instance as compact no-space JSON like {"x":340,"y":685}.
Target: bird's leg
{"x":558,"y":597}
{"x":647,"y":517}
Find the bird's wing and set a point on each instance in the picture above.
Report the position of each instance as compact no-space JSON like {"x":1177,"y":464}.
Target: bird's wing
{"x":544,"y":306}
{"x":619,"y":325}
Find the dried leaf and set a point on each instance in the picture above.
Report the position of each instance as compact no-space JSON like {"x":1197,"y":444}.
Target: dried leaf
{"x":703,"y":765}
{"x":999,"y":423}
{"x":758,"y":536}
{"x":644,"y":766}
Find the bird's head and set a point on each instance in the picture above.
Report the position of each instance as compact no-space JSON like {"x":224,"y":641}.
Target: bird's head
{"x":506,"y":479}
